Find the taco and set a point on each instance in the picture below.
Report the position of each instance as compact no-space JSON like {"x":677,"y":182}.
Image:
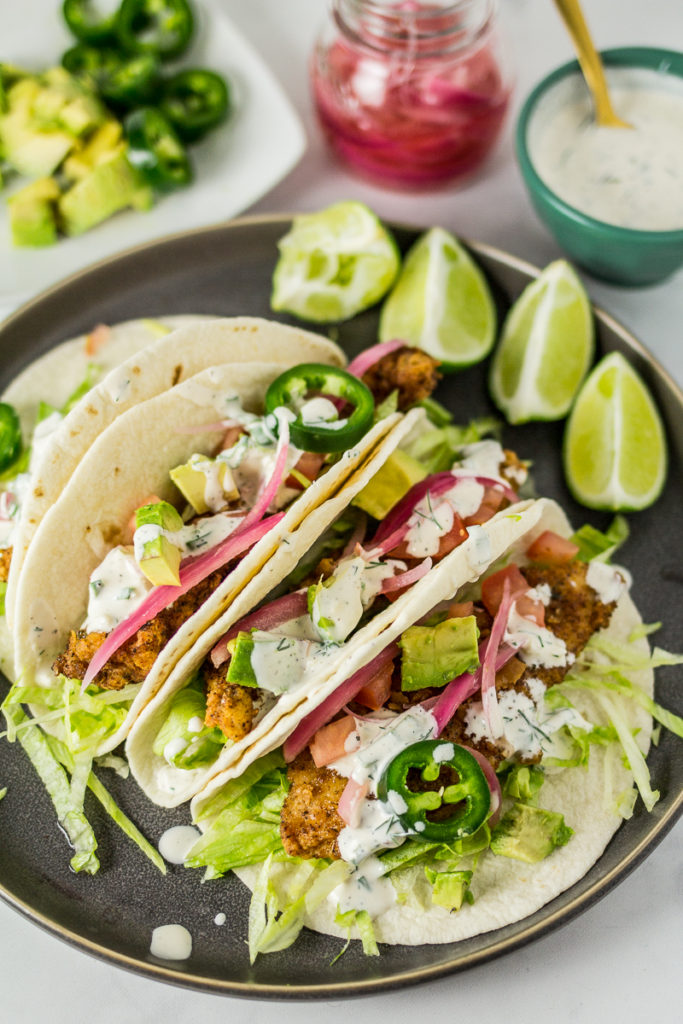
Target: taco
{"x":113,"y":590}
{"x":341,"y":583}
{"x":43,"y":407}
{"x":68,"y":397}
{"x":417,"y":812}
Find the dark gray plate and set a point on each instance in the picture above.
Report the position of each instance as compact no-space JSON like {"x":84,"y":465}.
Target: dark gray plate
{"x":226,"y":271}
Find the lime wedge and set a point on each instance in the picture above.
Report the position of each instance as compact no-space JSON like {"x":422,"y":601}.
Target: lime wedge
{"x":545,"y":349}
{"x":614,"y":447}
{"x":441,"y":303}
{"x":334,"y":263}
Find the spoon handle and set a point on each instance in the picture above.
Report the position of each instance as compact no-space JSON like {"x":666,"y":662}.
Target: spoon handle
{"x":590,"y":62}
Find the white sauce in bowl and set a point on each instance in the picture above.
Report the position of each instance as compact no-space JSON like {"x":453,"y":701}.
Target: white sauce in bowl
{"x":629,"y":178}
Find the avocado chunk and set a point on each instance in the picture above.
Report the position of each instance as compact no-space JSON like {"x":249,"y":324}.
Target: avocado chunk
{"x":241,"y":670}
{"x":33,"y":153}
{"x":434,"y":655}
{"x":391,"y":482}
{"x":529,"y":833}
{"x":32,"y":213}
{"x":184,"y":740}
{"x":160,"y":559}
{"x":111,"y":186}
{"x":199,"y":477}
{"x":103,"y":142}
{"x":450,"y":889}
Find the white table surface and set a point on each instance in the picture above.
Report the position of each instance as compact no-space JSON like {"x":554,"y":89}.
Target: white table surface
{"x":620,"y":960}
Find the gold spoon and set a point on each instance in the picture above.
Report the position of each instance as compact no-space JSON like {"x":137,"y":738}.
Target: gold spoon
{"x":590,"y":62}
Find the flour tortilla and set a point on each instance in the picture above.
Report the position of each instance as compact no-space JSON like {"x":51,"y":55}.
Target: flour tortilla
{"x":168,"y":786}
{"x":138,"y":365}
{"x":130,"y":461}
{"x":505,"y":890}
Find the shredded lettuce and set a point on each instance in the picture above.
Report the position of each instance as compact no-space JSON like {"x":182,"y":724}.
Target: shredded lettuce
{"x":632,"y":752}
{"x":87,"y":719}
{"x":437,"y":448}
{"x":200,"y":747}
{"x":69,"y":811}
{"x":275,"y":919}
{"x":76,"y":768}
{"x":246,"y":821}
{"x":3,"y":792}
{"x":618,"y":683}
{"x":388,"y":407}
{"x":93,"y":372}
{"x":3,"y":591}
{"x":594,"y":545}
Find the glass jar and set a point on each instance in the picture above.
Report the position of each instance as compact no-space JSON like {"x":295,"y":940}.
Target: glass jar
{"x":410,"y":93}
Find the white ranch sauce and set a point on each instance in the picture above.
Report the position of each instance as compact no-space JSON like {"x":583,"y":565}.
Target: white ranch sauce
{"x":633,"y":179}
{"x":176,"y":842}
{"x":171,"y":942}
{"x":117,"y":588}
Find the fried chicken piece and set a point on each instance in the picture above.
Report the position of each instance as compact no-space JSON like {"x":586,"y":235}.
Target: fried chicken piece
{"x":229,"y":707}
{"x":130,"y":664}
{"x":133,"y":661}
{"x":5,"y":559}
{"x":513,"y":469}
{"x":79,"y":652}
{"x":310,"y":822}
{"x":574,"y":613}
{"x":180,"y":611}
{"x":410,"y":371}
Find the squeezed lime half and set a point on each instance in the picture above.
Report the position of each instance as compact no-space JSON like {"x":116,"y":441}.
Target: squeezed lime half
{"x":334,"y":263}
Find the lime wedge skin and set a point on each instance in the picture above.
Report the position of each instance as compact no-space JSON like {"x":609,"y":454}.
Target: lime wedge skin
{"x":441,"y":303}
{"x":546,"y":347}
{"x":615,"y":453}
{"x":334,"y":264}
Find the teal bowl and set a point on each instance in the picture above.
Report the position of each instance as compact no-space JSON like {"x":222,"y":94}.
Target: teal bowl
{"x":620,"y":255}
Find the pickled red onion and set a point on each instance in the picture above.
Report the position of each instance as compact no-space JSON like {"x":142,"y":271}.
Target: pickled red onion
{"x":357,"y":536}
{"x":344,"y":693}
{"x":7,"y":502}
{"x":283,"y":609}
{"x":270,"y":490}
{"x":350,"y":802}
{"x":192,"y":572}
{"x":489,"y":700}
{"x":458,"y":690}
{"x":492,"y":779}
{"x":405,"y":579}
{"x":435,"y":484}
{"x":362,"y":363}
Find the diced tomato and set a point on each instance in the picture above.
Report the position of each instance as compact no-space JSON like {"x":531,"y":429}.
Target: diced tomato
{"x":451,"y":540}
{"x":328,"y":743}
{"x":376,"y":691}
{"x":461,"y":611}
{"x":98,"y":337}
{"x":492,"y":594}
{"x":309,"y":465}
{"x":551,"y":549}
{"x":490,"y":504}
{"x":151,"y":499}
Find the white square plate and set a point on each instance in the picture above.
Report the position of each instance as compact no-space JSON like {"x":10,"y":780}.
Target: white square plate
{"x":234,"y":166}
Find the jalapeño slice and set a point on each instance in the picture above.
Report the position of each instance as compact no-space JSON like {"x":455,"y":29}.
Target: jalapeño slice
{"x":292,"y":388}
{"x":121,"y":80}
{"x":161,"y":27}
{"x":156,"y":151}
{"x":195,"y":101}
{"x":88,"y":23}
{"x":466,"y":795}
